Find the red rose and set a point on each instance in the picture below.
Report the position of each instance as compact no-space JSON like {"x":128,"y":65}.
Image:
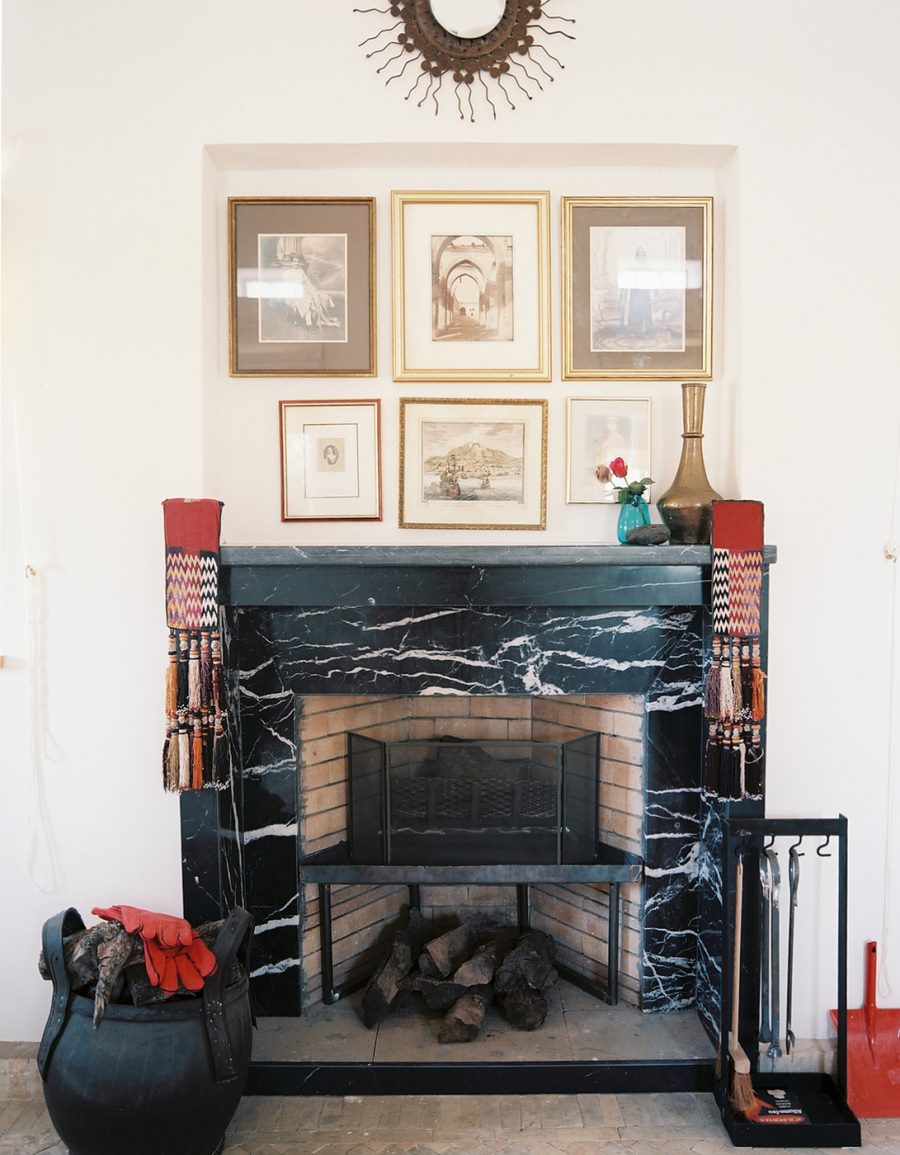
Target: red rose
{"x":618,"y":467}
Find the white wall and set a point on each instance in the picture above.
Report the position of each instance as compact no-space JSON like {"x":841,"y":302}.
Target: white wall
{"x":126,"y":125}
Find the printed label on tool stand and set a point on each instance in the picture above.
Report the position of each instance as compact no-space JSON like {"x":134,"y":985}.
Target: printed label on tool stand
{"x":776,"y":1106}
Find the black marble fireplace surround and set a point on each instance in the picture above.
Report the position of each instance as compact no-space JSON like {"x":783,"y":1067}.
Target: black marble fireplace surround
{"x":481,"y":620}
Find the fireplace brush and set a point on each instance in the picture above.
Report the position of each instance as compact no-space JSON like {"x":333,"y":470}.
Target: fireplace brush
{"x":740,"y":1093}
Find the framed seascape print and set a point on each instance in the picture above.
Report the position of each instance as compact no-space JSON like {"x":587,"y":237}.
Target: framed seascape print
{"x":477,"y":464}
{"x":598,"y":430}
{"x":330,"y":460}
{"x":471,"y":286}
{"x":301,"y":286}
{"x":637,"y":287}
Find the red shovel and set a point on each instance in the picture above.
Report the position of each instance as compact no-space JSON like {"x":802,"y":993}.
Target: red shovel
{"x":873,"y":1052}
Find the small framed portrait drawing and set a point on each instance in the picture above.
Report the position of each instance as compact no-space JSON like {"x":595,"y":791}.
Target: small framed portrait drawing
{"x":330,"y":460}
{"x":598,"y":430}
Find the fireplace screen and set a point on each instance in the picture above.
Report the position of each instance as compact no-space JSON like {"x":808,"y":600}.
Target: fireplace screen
{"x":458,"y":802}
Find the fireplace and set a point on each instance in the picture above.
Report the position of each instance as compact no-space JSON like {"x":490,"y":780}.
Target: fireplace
{"x":436,"y":625}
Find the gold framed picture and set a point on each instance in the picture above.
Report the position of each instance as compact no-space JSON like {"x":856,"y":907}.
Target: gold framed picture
{"x":474,"y":464}
{"x":637,"y":287}
{"x":301,"y":286}
{"x":471,"y":286}
{"x":330,"y":460}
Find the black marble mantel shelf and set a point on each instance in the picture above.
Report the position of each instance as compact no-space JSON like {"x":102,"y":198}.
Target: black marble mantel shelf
{"x":611,"y":575}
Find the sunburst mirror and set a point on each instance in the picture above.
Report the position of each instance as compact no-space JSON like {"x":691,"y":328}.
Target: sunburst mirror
{"x":480,"y":45}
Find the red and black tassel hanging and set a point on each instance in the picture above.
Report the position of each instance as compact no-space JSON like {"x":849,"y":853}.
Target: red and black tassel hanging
{"x":195,"y":755}
{"x":733,"y":699}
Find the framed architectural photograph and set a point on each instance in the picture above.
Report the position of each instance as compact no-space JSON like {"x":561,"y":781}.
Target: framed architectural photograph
{"x":598,"y":430}
{"x":330,"y":460}
{"x":477,"y":464}
{"x":471,"y":286}
{"x":302,"y":286}
{"x":637,"y":287}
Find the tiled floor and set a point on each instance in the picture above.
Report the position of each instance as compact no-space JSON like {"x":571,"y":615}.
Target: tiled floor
{"x":453,"y":1125}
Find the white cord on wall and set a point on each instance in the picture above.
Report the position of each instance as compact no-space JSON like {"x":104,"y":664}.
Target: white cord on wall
{"x":890,"y":553}
{"x":41,"y":853}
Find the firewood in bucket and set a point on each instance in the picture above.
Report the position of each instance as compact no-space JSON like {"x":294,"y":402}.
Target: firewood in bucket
{"x":99,"y":955}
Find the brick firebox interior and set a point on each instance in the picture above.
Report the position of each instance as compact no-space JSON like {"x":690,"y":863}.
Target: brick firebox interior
{"x":364,"y":917}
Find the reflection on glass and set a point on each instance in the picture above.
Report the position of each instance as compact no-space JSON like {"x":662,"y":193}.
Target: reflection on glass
{"x":468,"y":18}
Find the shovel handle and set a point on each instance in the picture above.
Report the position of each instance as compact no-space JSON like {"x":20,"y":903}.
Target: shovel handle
{"x":871,"y":974}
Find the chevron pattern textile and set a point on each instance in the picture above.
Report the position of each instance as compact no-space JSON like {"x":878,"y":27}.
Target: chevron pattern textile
{"x":734,"y":702}
{"x":195,"y":753}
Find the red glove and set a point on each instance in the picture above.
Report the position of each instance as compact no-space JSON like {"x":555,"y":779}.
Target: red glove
{"x":172,"y":966}
{"x":172,"y":952}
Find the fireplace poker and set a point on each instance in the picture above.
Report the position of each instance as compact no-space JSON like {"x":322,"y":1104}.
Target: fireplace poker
{"x":794,"y":880}
{"x":765,"y":958}
{"x":774,"y":1050}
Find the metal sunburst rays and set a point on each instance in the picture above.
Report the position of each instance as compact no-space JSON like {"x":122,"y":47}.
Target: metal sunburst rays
{"x":509,"y":56}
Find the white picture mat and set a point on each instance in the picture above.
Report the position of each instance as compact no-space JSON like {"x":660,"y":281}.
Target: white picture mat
{"x":420,"y":223}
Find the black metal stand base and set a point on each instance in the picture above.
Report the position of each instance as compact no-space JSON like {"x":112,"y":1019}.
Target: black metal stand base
{"x":267,"y":1078}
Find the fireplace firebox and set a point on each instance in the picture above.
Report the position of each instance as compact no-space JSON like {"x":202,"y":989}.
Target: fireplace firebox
{"x":459,"y":802}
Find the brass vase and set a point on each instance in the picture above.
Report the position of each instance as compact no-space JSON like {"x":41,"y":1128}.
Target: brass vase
{"x":686,"y":506}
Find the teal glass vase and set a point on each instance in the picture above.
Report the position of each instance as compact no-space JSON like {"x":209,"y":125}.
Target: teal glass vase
{"x":633,"y":511}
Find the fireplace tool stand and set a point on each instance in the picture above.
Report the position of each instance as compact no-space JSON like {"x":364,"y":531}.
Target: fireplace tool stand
{"x":791,"y":1108}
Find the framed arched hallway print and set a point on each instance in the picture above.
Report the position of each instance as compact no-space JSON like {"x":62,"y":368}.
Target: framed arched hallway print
{"x":471,"y":286}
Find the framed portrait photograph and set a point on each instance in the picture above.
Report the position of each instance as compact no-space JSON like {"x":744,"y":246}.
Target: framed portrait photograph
{"x":302,"y":287}
{"x":598,"y":430}
{"x":471,"y":286}
{"x":477,"y":464}
{"x":330,"y":460}
{"x":637,"y":287}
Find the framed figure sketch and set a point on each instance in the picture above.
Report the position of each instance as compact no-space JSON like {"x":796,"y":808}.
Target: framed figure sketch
{"x":598,"y":430}
{"x":637,"y":288}
{"x":302,"y":287}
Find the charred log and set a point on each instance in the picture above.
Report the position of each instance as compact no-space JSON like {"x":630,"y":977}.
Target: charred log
{"x":384,"y":985}
{"x":523,"y":979}
{"x":443,"y":955}
{"x":465,"y":1018}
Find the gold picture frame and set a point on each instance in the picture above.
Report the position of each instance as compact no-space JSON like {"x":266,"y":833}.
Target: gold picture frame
{"x":471,"y":286}
{"x":479,"y":463}
{"x":330,"y":460}
{"x":637,"y":288}
{"x":301,"y":287}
